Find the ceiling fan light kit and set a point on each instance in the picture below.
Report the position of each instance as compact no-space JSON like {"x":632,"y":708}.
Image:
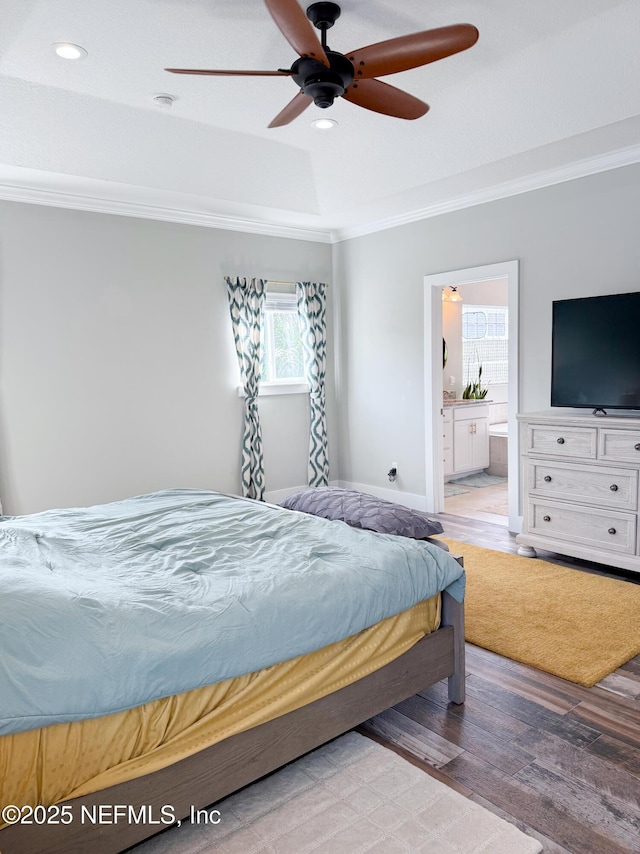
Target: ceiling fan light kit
{"x":320,"y":83}
{"x":323,"y":75}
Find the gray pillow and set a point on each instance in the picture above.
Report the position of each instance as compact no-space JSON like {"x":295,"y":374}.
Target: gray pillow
{"x":363,"y":511}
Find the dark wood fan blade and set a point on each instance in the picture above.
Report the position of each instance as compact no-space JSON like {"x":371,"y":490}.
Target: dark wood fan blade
{"x":208,"y":71}
{"x":411,"y":51}
{"x":382,"y":98}
{"x":297,"y":29}
{"x":292,"y":110}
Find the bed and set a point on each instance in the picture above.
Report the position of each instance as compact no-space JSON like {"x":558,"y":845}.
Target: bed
{"x":158,"y":653}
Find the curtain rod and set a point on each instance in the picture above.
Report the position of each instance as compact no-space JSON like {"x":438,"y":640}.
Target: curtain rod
{"x":278,"y":282}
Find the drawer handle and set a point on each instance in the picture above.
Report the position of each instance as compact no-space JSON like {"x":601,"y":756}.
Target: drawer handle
{"x":612,"y":531}
{"x":637,"y":447}
{"x":614,"y":487}
{"x":547,"y":518}
{"x":547,"y":478}
{"x":560,"y":441}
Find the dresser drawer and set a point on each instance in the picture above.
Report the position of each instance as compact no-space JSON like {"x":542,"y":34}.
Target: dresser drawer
{"x":563,"y":441}
{"x":614,"y":531}
{"x":608,"y":487}
{"x":619,"y":446}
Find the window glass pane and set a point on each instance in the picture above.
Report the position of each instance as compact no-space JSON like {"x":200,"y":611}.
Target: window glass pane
{"x":287,"y":346}
{"x":474,"y":324}
{"x":485,"y":341}
{"x":282,"y":355}
{"x":267,"y":347}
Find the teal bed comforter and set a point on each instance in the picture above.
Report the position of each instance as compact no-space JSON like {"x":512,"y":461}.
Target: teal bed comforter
{"x":105,"y":608}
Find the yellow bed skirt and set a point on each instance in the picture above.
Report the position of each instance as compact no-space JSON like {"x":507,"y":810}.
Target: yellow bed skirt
{"x":63,"y":761}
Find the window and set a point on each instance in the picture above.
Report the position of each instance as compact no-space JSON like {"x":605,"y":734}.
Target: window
{"x":485,"y":341}
{"x":282,"y":356}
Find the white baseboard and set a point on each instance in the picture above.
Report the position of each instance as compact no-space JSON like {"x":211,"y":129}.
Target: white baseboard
{"x":275,"y":496}
{"x":409,"y":499}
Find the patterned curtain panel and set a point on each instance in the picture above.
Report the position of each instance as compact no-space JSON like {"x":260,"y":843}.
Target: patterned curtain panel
{"x":246,"y":302}
{"x":312,"y":303}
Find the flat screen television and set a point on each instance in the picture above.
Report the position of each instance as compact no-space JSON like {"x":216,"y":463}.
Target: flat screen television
{"x":595,"y":359}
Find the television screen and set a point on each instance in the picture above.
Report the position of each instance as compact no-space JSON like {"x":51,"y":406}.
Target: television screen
{"x":596,"y":352}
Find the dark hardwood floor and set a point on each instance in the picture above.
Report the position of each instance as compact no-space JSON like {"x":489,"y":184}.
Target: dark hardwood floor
{"x":560,"y":761}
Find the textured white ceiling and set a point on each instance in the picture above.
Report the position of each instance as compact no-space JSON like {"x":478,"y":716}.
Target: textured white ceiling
{"x":549,"y":84}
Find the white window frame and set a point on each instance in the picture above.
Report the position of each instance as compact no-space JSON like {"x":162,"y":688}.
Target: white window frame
{"x":277,"y":300}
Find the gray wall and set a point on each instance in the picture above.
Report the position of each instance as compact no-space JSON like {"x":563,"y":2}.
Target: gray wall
{"x":574,"y":239}
{"x":118,"y":372}
{"x":117,"y":366}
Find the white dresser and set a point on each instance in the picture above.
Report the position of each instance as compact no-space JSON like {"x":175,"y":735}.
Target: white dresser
{"x":580,"y":481}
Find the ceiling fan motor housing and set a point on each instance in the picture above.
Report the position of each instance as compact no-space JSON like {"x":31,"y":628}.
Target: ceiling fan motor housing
{"x":321,"y":83}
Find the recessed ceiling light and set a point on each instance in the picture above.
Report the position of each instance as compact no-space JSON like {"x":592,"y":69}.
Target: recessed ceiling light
{"x":324,"y":124}
{"x":66,"y":50}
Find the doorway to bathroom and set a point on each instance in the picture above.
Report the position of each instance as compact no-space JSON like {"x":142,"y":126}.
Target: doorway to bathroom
{"x":471,"y":392}
{"x":475,"y":400}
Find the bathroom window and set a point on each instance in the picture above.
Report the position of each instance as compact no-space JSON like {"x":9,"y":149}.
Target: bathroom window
{"x":485,"y":341}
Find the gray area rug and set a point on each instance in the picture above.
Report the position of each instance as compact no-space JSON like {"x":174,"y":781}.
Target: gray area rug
{"x":477,"y":481}
{"x":349,"y":797}
{"x":450,"y":489}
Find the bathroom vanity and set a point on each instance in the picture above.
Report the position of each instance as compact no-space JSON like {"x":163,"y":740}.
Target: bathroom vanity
{"x":465,"y":432}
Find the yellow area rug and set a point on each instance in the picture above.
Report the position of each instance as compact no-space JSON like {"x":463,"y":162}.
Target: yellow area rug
{"x":564,"y":621}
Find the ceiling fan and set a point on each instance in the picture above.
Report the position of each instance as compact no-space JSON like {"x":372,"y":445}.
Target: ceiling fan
{"x":324,"y":74}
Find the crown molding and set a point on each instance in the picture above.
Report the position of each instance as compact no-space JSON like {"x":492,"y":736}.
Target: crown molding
{"x":88,"y":195}
{"x":579,"y":169}
{"x":94,"y":196}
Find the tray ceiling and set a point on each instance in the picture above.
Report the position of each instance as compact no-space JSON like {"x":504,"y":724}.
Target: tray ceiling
{"x":549,"y":92}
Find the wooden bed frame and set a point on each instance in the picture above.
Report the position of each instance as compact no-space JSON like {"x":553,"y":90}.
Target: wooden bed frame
{"x":212,"y":774}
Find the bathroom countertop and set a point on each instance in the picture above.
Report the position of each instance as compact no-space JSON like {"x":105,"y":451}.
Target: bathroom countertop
{"x":464,"y":402}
